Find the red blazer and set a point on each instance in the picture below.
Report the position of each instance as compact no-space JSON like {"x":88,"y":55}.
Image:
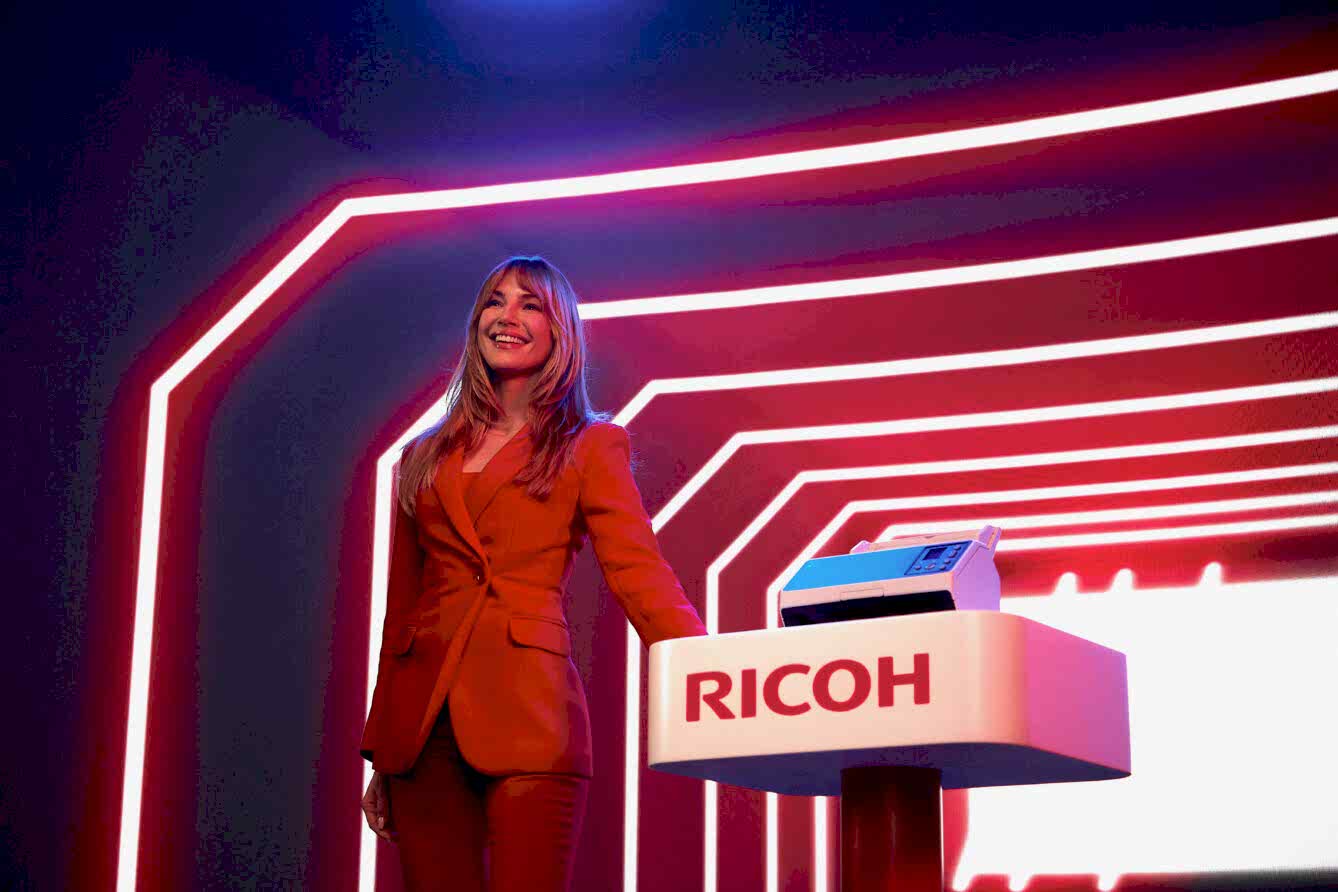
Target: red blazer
{"x":474,"y":615}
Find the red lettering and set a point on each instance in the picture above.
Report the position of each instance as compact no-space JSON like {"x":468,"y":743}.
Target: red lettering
{"x":822,"y":685}
{"x":771,"y":690}
{"x":748,"y":692}
{"x":696,"y":696}
{"x":888,"y":680}
{"x":723,"y":683}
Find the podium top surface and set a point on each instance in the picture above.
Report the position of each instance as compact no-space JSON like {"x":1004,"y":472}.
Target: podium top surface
{"x":989,"y":698}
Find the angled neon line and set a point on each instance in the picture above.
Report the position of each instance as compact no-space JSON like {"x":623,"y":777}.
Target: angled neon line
{"x":973,"y":274}
{"x":971,"y":420}
{"x":1110,"y":515}
{"x":898,"y":148}
{"x":955,"y":362}
{"x":654,"y":178}
{"x":1114,"y":515}
{"x":150,"y":529}
{"x":1163,"y":534}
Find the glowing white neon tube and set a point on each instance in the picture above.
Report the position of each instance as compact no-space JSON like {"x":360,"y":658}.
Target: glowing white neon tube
{"x":972,"y":420}
{"x":771,"y":165}
{"x":1175,"y":534}
{"x":899,"y":148}
{"x":1146,"y":512}
{"x":1124,"y":255}
{"x":987,"y":359}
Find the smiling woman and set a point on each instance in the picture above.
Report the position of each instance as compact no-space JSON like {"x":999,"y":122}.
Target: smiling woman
{"x":523,"y":365}
{"x":478,"y":728}
{"x":513,"y":330}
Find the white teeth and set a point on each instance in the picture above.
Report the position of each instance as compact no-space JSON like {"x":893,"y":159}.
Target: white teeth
{"x":507,"y":339}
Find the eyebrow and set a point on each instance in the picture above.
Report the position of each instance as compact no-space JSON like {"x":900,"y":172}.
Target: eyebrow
{"x":497,"y":292}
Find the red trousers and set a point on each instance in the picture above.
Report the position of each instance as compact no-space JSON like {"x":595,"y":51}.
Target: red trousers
{"x":463,"y":831}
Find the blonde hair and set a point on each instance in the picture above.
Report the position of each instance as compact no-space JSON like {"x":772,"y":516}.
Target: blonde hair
{"x":559,"y":404}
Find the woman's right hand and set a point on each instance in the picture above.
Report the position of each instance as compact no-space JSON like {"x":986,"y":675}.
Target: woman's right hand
{"x":376,"y":806}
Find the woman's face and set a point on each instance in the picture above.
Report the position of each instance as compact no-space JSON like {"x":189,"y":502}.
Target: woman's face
{"x":514,"y":334}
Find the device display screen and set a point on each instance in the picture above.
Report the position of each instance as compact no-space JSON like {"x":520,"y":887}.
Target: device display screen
{"x":933,"y":554}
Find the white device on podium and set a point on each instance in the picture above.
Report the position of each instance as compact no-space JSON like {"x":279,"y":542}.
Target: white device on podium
{"x":893,"y":577}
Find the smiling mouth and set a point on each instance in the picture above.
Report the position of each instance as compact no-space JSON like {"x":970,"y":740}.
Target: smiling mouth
{"x":509,"y":340}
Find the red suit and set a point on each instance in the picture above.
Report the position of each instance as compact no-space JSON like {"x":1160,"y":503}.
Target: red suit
{"x":474,"y":615}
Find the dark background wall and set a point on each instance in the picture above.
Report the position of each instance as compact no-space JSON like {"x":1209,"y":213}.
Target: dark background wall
{"x":153,"y":155}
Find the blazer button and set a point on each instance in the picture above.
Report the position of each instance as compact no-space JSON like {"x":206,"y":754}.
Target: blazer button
{"x":478,"y":577}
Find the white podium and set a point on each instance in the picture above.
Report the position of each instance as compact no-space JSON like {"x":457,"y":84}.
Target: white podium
{"x":886,"y":713}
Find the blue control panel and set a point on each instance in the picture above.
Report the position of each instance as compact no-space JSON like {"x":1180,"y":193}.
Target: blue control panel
{"x":936,"y":558}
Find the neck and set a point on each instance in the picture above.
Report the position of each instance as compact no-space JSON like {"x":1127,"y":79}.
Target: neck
{"x":513,"y":395}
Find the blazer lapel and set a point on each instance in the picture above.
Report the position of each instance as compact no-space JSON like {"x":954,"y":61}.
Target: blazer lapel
{"x":502,"y":468}
{"x":499,"y":470}
{"x":446,"y":483}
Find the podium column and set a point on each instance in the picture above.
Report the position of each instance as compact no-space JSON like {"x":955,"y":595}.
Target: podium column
{"x":891,"y":829}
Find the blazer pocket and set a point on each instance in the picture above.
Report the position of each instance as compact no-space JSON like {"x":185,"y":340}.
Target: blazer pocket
{"x":399,"y":640}
{"x":537,"y":631}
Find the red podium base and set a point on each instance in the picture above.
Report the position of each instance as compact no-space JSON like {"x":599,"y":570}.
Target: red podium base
{"x":891,"y":829}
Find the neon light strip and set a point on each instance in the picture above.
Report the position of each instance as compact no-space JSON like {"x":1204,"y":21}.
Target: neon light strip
{"x":899,"y":148}
{"x":383,"y":517}
{"x":150,"y":530}
{"x":956,"y":362}
{"x":1118,"y":515}
{"x":1125,"y":255}
{"x":1198,"y":531}
{"x":654,"y":178}
{"x":967,"y":421}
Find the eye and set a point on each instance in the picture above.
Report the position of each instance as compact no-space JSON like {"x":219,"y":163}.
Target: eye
{"x":533,"y":306}
{"x":492,"y":300}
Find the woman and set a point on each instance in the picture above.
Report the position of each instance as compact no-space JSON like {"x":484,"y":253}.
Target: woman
{"x":479,"y":730}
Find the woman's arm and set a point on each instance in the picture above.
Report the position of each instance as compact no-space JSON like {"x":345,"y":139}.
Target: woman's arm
{"x":402,"y":589}
{"x":624,"y":542}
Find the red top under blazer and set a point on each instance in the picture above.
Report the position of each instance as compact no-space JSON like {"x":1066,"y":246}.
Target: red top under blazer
{"x":474,"y":608}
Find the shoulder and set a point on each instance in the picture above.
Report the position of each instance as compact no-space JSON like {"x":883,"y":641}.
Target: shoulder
{"x":601,"y":434}
{"x":599,"y":439}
